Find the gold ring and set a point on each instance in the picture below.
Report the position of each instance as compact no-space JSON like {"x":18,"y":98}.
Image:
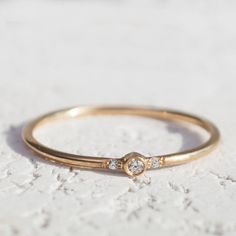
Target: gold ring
{"x":133,"y":163}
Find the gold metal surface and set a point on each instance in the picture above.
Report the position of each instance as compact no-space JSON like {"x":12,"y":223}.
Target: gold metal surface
{"x":90,"y":162}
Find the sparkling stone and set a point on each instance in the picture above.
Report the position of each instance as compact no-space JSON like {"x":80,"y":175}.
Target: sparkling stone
{"x":155,"y":163}
{"x":113,"y":164}
{"x":136,"y":166}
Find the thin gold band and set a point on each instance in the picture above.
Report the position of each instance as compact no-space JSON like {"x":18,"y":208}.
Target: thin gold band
{"x":133,"y":163}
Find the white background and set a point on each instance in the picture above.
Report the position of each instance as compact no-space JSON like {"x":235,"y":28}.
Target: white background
{"x":178,"y":54}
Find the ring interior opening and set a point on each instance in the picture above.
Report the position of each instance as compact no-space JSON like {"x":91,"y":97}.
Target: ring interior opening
{"x":182,"y":135}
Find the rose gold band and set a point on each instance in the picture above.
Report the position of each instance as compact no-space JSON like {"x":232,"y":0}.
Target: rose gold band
{"x":133,"y":163}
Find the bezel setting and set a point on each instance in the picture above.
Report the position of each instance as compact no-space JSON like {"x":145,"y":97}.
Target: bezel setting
{"x":135,"y":164}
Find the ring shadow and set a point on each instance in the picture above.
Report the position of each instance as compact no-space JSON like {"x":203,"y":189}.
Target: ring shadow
{"x":190,"y":138}
{"x":14,"y":140}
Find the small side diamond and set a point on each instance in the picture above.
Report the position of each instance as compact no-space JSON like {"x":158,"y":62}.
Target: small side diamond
{"x":155,"y":163}
{"x":113,"y":164}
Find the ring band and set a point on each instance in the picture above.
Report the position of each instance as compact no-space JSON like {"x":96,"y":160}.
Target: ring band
{"x":133,"y":163}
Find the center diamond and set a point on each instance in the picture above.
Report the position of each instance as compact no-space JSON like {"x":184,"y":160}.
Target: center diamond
{"x":134,"y":164}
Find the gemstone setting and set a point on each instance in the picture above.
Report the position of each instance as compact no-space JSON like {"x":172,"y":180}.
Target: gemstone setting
{"x":113,"y":164}
{"x":134,"y":164}
{"x":155,"y":162}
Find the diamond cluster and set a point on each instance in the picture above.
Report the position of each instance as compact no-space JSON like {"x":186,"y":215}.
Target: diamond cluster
{"x":134,"y":163}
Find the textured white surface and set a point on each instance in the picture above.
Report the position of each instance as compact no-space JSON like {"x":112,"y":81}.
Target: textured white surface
{"x":178,"y":54}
